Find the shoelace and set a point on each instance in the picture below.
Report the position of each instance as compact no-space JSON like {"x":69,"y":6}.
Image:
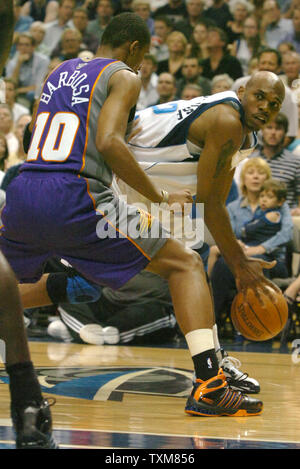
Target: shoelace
{"x":235,"y":362}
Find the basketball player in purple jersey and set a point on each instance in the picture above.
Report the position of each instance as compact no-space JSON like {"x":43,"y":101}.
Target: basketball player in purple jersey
{"x":30,"y":412}
{"x":61,"y":201}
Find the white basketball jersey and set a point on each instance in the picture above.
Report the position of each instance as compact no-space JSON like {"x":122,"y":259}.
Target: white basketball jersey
{"x":163,"y":150}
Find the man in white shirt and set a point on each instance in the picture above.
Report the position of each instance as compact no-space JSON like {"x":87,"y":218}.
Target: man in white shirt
{"x":148,"y":93}
{"x":55,"y":29}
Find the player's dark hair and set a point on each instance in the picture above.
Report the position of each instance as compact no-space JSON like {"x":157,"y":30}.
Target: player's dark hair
{"x":126,"y":27}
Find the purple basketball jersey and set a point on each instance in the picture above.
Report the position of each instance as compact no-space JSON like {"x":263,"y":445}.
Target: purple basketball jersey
{"x":60,"y":136}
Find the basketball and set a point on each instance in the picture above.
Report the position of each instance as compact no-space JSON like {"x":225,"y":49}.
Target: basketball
{"x":257,"y":320}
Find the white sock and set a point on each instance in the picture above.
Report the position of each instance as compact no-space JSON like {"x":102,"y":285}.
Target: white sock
{"x":216,"y":342}
{"x":200,"y":340}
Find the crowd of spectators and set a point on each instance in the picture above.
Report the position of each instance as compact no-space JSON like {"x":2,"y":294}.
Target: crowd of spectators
{"x":198,"y":47}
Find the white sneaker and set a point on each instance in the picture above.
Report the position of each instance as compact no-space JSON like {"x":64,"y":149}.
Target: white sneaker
{"x":58,"y":330}
{"x":111,"y":335}
{"x":237,"y":380}
{"x":92,"y":334}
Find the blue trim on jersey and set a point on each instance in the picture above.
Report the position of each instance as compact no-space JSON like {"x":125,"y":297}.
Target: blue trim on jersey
{"x":178,"y":135}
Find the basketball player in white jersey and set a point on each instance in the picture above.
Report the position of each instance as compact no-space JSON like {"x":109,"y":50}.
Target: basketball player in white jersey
{"x":175,"y":145}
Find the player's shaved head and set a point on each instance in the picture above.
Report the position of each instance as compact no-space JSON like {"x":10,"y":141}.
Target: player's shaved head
{"x":267,"y":79}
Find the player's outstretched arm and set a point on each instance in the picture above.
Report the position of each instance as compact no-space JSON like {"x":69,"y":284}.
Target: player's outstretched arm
{"x":6,"y":30}
{"x":214,"y":180}
{"x":124,"y":88}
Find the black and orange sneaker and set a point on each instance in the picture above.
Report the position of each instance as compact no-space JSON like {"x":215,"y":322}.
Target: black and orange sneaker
{"x":214,"y":398}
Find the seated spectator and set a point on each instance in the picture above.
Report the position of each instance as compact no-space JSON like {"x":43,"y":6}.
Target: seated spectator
{"x":221,"y":83}
{"x":104,"y":14}
{"x":197,"y":46}
{"x":293,"y":35}
{"x":166,"y":88}
{"x":194,"y":15}
{"x":191,"y":74}
{"x":162,"y":28}
{"x":10,"y":99}
{"x":291,"y":71}
{"x":148,"y":94}
{"x":285,"y":47}
{"x":20,"y":156}
{"x":219,"y":61}
{"x":175,"y":10}
{"x":255,"y":173}
{"x":285,"y":166}
{"x":191,"y":91}
{"x":248,"y":45}
{"x":38,"y":31}
{"x":70,"y":45}
{"x":273,"y":27}
{"x":239,"y":9}
{"x":7,"y":128}
{"x":22,"y":22}
{"x":177,"y":44}
{"x":219,"y":12}
{"x":27,"y":68}
{"x":270,"y":60}
{"x":55,"y":28}
{"x":142,"y":8}
{"x":80,"y":22}
{"x":40,"y":10}
{"x":3,"y":156}
{"x":140,"y":311}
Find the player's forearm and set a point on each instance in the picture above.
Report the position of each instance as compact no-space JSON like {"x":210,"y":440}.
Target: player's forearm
{"x":123,"y":164}
{"x":217,"y":221}
{"x":6,"y":30}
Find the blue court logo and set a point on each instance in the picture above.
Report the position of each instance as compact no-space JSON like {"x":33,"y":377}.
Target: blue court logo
{"x":111,"y":383}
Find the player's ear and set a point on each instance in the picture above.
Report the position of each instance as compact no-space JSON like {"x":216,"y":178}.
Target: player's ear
{"x":241,"y":92}
{"x":133,"y":47}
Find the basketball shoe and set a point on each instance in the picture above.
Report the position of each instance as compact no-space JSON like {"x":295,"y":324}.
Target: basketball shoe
{"x":213,"y":398}
{"x":33,"y":426}
{"x":237,"y":379}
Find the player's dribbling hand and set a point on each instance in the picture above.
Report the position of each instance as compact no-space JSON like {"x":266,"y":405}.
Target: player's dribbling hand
{"x":250,"y":276}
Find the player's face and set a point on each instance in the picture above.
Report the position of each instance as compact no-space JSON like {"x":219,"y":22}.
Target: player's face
{"x":267,"y":200}
{"x":261,"y":104}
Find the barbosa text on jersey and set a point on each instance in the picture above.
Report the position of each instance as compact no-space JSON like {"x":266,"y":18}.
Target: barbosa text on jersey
{"x":74,"y":81}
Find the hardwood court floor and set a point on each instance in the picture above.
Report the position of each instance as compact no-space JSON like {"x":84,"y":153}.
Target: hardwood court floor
{"x":134,"y":397}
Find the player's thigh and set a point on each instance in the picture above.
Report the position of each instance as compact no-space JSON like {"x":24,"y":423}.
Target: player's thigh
{"x":175,"y":257}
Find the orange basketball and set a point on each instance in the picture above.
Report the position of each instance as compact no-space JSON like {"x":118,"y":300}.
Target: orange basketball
{"x":256,"y":321}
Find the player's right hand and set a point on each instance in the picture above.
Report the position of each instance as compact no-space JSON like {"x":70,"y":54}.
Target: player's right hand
{"x":250,"y":276}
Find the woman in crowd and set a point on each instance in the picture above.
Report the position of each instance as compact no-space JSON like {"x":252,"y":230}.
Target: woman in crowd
{"x":177,"y":44}
{"x":246,"y":47}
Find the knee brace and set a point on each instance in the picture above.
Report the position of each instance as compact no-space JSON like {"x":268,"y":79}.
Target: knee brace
{"x":73,"y":289}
